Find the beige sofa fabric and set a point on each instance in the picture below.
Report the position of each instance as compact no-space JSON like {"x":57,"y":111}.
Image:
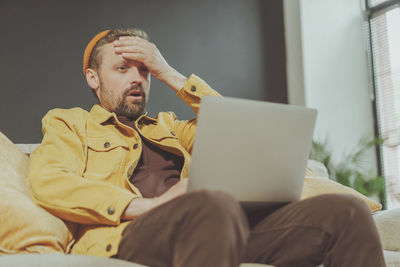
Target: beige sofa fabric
{"x":314,"y":186}
{"x":61,"y":260}
{"x":392,"y":258}
{"x":25,"y":227}
{"x":388,"y":224}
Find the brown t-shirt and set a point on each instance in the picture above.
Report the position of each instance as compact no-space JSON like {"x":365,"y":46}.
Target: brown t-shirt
{"x":157,"y":169}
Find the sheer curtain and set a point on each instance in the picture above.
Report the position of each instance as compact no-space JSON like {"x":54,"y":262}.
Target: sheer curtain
{"x":384,"y":29}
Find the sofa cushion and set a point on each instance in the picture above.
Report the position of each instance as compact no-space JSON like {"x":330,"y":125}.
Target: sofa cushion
{"x":25,"y":227}
{"x":314,"y":186}
{"x":392,"y":258}
{"x":316,"y":168}
{"x":388,"y":224}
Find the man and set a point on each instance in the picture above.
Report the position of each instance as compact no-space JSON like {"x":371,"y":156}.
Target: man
{"x":120,"y":176}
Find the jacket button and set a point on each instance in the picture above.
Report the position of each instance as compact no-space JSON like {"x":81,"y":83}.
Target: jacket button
{"x":107,"y":144}
{"x":135,"y":146}
{"x":108,"y":248}
{"x":173,"y":133}
{"x":193,"y":88}
{"x":110,"y":210}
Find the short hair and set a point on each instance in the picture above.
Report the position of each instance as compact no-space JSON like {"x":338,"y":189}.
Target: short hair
{"x":111,"y":36}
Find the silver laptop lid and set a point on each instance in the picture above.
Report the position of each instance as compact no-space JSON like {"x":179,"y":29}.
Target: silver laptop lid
{"x":256,"y":151}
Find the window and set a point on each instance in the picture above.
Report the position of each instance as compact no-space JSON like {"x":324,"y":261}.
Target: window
{"x":384,"y":36}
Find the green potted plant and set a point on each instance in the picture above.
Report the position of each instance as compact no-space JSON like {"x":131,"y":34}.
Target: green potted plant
{"x":350,"y":170}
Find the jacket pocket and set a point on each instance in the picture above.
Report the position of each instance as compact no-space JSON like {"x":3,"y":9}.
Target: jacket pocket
{"x":105,"y":157}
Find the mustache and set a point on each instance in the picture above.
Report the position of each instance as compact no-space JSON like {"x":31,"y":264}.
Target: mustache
{"x":135,"y":87}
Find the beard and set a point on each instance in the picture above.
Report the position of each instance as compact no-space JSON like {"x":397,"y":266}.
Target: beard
{"x":121,"y":106}
{"x":131,"y":110}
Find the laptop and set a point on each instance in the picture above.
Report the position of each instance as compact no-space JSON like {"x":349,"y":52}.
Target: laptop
{"x":253,"y":150}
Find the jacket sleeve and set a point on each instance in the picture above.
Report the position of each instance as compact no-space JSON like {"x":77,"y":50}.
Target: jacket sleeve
{"x":191,"y":94}
{"x":56,"y":175}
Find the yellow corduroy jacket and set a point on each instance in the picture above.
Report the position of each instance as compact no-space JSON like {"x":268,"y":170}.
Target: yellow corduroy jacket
{"x":81,"y":170}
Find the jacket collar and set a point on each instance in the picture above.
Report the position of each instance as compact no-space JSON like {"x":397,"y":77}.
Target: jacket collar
{"x":103,"y":116}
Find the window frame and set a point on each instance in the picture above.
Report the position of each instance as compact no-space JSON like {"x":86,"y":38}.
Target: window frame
{"x":370,"y":13}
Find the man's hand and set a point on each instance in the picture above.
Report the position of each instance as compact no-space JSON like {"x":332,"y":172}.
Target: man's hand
{"x":139,"y":206}
{"x":141,"y":50}
{"x":177,"y":190}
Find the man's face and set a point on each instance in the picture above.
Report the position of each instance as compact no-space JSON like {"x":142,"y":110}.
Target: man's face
{"x":124,"y":85}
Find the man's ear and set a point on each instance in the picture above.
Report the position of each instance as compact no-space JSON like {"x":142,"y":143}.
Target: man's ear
{"x":92,"y":79}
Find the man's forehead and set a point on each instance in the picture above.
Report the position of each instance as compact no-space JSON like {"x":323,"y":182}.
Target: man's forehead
{"x":107,"y":51}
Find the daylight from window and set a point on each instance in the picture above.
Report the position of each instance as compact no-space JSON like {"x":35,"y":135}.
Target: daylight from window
{"x":393,"y":20}
{"x":385,"y":36}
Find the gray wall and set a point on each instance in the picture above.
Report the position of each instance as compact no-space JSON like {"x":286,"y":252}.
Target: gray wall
{"x":237,"y":46}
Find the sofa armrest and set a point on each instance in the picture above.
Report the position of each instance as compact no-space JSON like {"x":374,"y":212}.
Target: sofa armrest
{"x":318,"y":168}
{"x":388,"y":224}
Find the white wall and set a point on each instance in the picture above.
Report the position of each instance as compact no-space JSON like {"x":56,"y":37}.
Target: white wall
{"x":327,"y":69}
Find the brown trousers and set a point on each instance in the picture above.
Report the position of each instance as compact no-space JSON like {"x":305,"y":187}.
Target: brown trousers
{"x":210,"y":229}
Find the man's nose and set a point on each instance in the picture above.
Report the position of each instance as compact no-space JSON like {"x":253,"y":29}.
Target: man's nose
{"x":135,"y":77}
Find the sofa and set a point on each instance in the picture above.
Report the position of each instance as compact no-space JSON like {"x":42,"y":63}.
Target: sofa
{"x":37,"y":238}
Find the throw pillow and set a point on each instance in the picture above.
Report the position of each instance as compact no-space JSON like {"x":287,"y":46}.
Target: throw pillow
{"x":25,"y":227}
{"x":388,"y":224}
{"x":314,"y":186}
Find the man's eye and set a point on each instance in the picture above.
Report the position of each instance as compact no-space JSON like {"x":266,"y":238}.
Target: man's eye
{"x":122,"y":68}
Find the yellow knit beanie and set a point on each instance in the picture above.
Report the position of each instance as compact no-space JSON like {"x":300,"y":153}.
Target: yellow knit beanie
{"x":89,"y":49}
